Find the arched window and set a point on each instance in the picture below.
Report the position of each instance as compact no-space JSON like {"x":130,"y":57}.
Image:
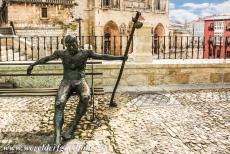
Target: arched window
{"x":111,"y":38}
{"x":158,"y":34}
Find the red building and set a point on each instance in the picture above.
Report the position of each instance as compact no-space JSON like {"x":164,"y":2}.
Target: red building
{"x":217,"y":37}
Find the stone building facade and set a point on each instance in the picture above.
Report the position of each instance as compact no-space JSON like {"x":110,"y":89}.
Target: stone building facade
{"x":34,"y":28}
{"x":39,"y":17}
{"x":217,"y":37}
{"x":111,"y":18}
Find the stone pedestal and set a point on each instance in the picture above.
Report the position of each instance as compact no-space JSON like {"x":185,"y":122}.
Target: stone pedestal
{"x":143,"y":51}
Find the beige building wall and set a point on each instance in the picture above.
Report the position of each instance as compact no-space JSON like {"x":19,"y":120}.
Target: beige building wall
{"x":30,"y":14}
{"x":28,"y":20}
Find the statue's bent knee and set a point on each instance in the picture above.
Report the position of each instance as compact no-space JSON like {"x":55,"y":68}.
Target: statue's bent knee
{"x":60,"y":100}
{"x":59,"y":105}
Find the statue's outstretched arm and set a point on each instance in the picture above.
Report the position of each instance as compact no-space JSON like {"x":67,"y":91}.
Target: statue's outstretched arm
{"x":94,"y":55}
{"x":44,"y":60}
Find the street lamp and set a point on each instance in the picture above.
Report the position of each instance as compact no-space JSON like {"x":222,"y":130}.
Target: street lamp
{"x":79,"y":22}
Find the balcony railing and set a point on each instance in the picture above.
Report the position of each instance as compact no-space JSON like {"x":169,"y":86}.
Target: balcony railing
{"x":211,"y":27}
{"x":63,"y":2}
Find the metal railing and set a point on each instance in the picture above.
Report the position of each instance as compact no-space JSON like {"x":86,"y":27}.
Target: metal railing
{"x":190,"y":47}
{"x":23,"y":48}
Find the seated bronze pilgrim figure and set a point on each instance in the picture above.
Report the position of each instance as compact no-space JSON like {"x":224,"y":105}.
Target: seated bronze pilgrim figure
{"x":74,"y":63}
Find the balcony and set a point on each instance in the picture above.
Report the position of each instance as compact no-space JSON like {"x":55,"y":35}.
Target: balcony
{"x":137,"y":5}
{"x":228,"y":28}
{"x":228,"y":41}
{"x":62,"y":2}
{"x":211,"y":27}
{"x":108,"y":4}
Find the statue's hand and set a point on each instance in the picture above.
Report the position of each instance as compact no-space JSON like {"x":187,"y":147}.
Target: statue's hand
{"x":29,"y":70}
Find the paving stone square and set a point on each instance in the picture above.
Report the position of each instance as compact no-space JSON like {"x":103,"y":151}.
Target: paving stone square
{"x":186,"y":121}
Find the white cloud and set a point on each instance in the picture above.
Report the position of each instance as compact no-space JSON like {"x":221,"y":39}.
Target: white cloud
{"x":191,"y":11}
{"x":195,"y":6}
{"x":182,"y":15}
{"x":211,"y":10}
{"x":223,"y":8}
{"x":172,"y":6}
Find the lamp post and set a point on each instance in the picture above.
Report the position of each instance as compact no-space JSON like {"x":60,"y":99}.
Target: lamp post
{"x":79,"y":22}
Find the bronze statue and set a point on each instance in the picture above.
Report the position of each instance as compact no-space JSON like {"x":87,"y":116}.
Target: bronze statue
{"x":74,"y":63}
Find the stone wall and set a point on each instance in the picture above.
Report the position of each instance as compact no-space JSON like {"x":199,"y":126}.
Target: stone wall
{"x":30,"y":21}
{"x":135,"y":75}
{"x":166,"y":74}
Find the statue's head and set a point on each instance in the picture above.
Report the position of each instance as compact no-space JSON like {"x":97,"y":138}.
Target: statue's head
{"x":71,"y":42}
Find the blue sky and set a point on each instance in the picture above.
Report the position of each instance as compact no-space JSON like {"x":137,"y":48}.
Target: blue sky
{"x":189,"y":10}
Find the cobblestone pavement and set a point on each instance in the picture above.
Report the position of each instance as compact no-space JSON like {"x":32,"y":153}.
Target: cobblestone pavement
{"x":192,"y":121}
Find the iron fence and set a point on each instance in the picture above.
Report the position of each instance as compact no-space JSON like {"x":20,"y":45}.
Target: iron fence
{"x":22,"y":48}
{"x":190,"y":47}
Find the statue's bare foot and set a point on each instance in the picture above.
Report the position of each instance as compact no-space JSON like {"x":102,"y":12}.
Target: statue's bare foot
{"x":113,"y":104}
{"x":58,"y":140}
